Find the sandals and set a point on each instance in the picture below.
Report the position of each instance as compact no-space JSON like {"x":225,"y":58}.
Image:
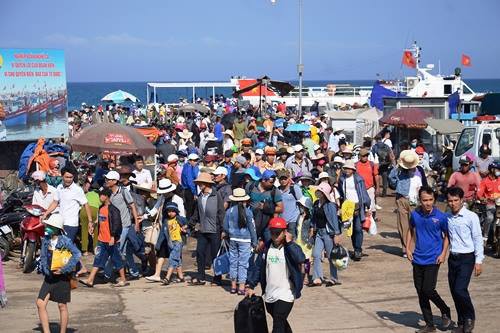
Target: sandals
{"x":165,"y":282}
{"x":315,"y":284}
{"x":86,"y":284}
{"x":178,"y":280}
{"x":197,"y":282}
{"x":331,"y":283}
{"x":241,"y":292}
{"x":121,"y":284}
{"x":153,"y":278}
{"x":233,"y":291}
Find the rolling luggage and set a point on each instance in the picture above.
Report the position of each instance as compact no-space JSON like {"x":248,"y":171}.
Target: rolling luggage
{"x":250,"y":316}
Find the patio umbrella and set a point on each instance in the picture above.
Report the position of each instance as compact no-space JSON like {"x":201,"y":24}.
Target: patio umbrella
{"x":119,"y":96}
{"x":111,"y":138}
{"x":298,"y":128}
{"x":407,"y":118}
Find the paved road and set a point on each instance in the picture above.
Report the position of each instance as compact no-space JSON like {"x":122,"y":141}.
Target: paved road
{"x":377,"y":295}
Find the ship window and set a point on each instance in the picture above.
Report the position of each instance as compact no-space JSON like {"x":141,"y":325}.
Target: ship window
{"x":466,"y":90}
{"x":466,"y":141}
{"x":447,"y":89}
{"x":466,"y":108}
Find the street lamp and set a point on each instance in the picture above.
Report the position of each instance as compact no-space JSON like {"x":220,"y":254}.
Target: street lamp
{"x":300,"y":66}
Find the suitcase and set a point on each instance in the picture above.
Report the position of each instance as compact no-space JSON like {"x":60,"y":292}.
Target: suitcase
{"x":250,"y":316}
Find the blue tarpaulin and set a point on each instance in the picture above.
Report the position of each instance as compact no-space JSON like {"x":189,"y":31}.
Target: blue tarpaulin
{"x":30,"y":149}
{"x":378,"y":94}
{"x":453,"y":102}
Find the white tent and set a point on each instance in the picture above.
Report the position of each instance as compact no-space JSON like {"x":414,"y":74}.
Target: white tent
{"x":356,"y":123}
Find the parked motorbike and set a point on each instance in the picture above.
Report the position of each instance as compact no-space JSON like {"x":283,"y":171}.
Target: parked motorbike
{"x":32,"y":232}
{"x":496,"y":230}
{"x":11,"y":215}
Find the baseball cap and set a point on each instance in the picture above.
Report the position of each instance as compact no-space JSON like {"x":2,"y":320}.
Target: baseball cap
{"x":220,"y":171}
{"x":268,"y":174}
{"x":193,"y":157}
{"x":316,"y":147}
{"x":172,"y":158}
{"x":277,"y":223}
{"x":298,"y":148}
{"x":259,"y":152}
{"x":241,"y":159}
{"x":283,"y":173}
{"x":113,"y":175}
{"x":38,"y":175}
{"x":465,"y":160}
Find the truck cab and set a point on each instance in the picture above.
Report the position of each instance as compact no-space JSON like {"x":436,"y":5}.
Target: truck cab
{"x":486,"y":130}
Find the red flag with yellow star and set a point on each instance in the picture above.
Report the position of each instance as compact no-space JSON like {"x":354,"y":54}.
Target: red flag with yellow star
{"x":466,"y":60}
{"x":408,"y":59}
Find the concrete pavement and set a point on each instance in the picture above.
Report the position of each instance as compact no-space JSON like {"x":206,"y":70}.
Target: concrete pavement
{"x":377,"y":295}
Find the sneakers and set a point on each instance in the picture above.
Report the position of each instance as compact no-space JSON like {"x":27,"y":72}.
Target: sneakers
{"x":445,"y":321}
{"x":468,"y":325}
{"x":357,"y":255}
{"x":378,"y":207}
{"x":153,"y":278}
{"x":426,"y":329}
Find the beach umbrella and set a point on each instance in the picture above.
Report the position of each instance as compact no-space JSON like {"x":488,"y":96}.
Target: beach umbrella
{"x":298,"y":128}
{"x":111,"y":138}
{"x":407,"y":118}
{"x":194,"y":107}
{"x":119,"y":96}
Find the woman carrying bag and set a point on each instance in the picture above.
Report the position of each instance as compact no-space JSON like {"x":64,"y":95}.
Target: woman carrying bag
{"x":56,"y":287}
{"x":325,"y":226}
{"x":239,"y":225}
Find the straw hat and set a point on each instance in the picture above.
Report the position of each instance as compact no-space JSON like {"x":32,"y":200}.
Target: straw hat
{"x":186,"y":134}
{"x":230,"y":133}
{"x":349,"y":164}
{"x":211,"y":137}
{"x":408,"y":159}
{"x":55,"y":220}
{"x":204,"y":177}
{"x":165,"y":186}
{"x":239,"y":194}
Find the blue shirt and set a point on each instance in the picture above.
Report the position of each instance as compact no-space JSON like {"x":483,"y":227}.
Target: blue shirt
{"x":429,"y":231}
{"x":464,"y":230}
{"x":218,"y":131}
{"x":291,"y":211}
{"x":188,"y":175}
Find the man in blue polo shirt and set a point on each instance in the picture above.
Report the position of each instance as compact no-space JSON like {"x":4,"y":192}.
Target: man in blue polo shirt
{"x":428,"y":231}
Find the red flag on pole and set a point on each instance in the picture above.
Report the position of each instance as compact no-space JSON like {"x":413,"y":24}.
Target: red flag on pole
{"x":466,"y":60}
{"x":408,"y":59}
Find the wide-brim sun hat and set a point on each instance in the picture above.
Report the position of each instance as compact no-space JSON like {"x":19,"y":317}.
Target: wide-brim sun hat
{"x":185,"y":134}
{"x":408,"y":159}
{"x":204,"y":177}
{"x":165,"y":186}
{"x":323,"y":174}
{"x":349,"y":164}
{"x":38,"y":175}
{"x":239,"y":194}
{"x":338,"y":159}
{"x":55,"y":220}
{"x":172,"y":158}
{"x":306,"y":202}
{"x":254,"y":174}
{"x":193,"y":157}
{"x":306,"y":176}
{"x":230,"y":133}
{"x":326,"y":189}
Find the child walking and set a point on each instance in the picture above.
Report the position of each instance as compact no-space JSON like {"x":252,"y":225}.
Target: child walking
{"x":304,"y":235}
{"x":172,"y":229}
{"x":56,"y":285}
{"x":110,"y":229}
{"x":240,"y":227}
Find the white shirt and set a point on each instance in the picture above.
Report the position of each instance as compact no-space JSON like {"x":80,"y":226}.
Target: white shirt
{"x":415,"y":185}
{"x":44,"y":200}
{"x":71,"y":199}
{"x":388,"y":142}
{"x":143,"y":178}
{"x":278,"y":285}
{"x":350,"y":190}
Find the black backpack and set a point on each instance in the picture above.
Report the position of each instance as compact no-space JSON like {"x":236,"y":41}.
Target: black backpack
{"x":383,"y":153}
{"x":250,"y":316}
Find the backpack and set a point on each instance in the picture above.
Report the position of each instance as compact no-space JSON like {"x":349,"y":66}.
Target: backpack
{"x":250,"y":316}
{"x":383,"y":152}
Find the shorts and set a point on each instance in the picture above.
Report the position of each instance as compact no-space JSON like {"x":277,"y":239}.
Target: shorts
{"x":103,"y":252}
{"x":58,"y":287}
{"x":175,"y":257}
{"x":164,"y":251}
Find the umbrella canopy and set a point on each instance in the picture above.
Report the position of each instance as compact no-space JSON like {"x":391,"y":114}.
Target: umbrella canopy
{"x":407,"y":118}
{"x":298,"y":128}
{"x":279,"y":87}
{"x":111,"y":138}
{"x":119,"y":96}
{"x":196,"y":107}
{"x":445,"y":126}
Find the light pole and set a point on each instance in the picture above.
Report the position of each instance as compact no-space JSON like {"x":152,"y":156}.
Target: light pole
{"x":300,"y":66}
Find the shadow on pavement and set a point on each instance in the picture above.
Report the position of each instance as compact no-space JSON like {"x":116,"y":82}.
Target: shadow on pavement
{"x":54,"y":327}
{"x":385,"y":234}
{"x":395,"y":250}
{"x":406,"y":318}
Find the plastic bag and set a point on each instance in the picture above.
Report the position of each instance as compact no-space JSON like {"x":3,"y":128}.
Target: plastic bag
{"x":373,"y":227}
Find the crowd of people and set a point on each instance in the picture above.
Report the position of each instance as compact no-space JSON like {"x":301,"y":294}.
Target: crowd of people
{"x":280,"y":203}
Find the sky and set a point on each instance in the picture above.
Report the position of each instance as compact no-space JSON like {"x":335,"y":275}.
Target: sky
{"x":204,"y":40}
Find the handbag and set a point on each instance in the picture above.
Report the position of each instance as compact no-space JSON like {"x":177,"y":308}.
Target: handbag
{"x":373,"y":227}
{"x":250,"y":316}
{"x":151,"y":234}
{"x":59,"y":259}
{"x":221,"y":261}
{"x":73,"y":282}
{"x":367,"y":223}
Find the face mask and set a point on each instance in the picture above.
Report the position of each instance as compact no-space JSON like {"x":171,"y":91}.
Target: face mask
{"x":413,"y":145}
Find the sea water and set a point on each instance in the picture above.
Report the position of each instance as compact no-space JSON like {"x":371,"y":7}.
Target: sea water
{"x":92,"y":92}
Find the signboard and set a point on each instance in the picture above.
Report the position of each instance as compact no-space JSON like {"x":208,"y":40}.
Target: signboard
{"x":33,"y":95}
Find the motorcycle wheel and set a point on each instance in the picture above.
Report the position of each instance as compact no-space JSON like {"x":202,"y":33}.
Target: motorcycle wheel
{"x":4,"y":248}
{"x":29,"y":257}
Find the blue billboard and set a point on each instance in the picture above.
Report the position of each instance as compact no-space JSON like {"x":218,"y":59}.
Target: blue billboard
{"x":33,"y":94}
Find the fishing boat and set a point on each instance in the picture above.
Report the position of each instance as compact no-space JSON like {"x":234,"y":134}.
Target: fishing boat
{"x":58,"y":103}
{"x":17,"y":115}
{"x":40,"y":109}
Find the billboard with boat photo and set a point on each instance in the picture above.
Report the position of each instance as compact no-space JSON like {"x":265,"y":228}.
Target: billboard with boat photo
{"x":33,"y":95}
